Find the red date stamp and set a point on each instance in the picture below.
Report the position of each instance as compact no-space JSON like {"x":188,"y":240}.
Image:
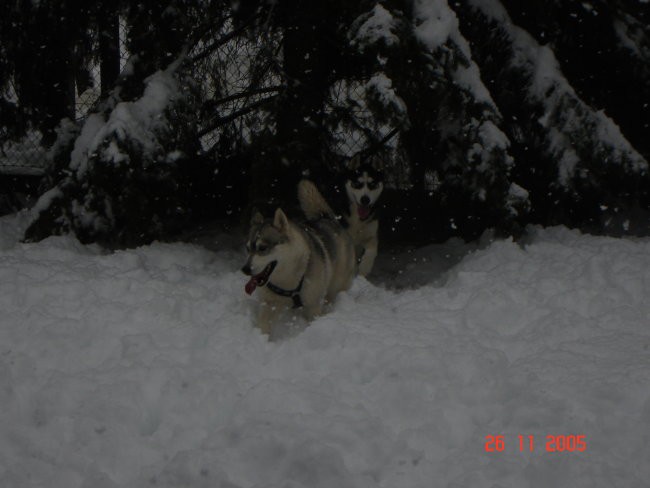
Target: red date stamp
{"x":553,"y":443}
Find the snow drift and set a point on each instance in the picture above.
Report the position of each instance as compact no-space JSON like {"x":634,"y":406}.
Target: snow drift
{"x":142,"y":368}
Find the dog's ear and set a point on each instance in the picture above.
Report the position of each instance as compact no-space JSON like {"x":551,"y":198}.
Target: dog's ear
{"x":257,"y":218}
{"x":355,"y":162}
{"x":280,"y":220}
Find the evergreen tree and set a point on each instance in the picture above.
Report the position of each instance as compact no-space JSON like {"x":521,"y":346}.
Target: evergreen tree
{"x":125,"y":176}
{"x":603,"y":49}
{"x":483,"y":117}
{"x":449,"y":124}
{"x":573,"y":158}
{"x":128,"y":178}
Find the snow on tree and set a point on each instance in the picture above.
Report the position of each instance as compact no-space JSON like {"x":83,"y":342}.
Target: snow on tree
{"x":603,"y":50}
{"x":450,"y":127}
{"x":572,"y":157}
{"x":126,"y":178}
{"x":482,"y":117}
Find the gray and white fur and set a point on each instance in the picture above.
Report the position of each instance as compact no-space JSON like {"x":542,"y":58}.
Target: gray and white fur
{"x":364,"y":186}
{"x":298,"y":264}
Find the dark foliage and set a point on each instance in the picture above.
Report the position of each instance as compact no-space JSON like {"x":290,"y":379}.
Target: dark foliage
{"x":471,"y":134}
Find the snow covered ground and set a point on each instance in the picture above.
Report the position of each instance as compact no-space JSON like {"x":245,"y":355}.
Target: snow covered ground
{"x":142,"y":368}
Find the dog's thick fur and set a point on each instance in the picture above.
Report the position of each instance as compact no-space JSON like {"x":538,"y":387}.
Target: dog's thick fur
{"x":298,"y":264}
{"x":364,"y":185}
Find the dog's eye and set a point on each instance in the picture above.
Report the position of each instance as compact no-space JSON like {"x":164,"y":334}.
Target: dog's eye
{"x":262,"y":248}
{"x":372,"y":185}
{"x":357,"y":185}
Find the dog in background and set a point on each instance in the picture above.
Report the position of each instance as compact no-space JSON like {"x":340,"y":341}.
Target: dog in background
{"x":364,"y":185}
{"x":298,"y":264}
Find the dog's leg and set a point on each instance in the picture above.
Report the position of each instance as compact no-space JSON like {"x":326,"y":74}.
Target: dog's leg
{"x":312,"y":302}
{"x":311,"y":312}
{"x":368,"y":259}
{"x":267,"y":316}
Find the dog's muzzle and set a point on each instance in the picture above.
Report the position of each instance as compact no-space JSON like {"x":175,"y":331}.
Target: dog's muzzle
{"x":364,"y":211}
{"x":259,"y":279}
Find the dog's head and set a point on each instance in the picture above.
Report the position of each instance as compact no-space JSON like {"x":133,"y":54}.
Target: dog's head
{"x":266,"y":246}
{"x":364,"y":185}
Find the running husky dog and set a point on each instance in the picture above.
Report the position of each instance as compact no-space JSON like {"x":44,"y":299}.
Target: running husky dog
{"x":298,"y":265}
{"x":363,"y":186}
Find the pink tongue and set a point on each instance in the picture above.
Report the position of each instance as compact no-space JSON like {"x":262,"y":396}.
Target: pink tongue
{"x":363,"y":211}
{"x":251,"y":285}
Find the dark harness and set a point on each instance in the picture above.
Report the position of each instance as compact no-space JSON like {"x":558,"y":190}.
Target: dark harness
{"x":293,"y":294}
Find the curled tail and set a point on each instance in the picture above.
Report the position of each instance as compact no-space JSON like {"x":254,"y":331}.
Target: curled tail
{"x":312,"y":202}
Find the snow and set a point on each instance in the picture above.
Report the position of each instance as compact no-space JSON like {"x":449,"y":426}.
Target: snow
{"x":143,"y":368}
{"x":355,"y":97}
{"x":436,"y":25}
{"x":136,"y":121}
{"x":493,"y":9}
{"x":517,"y":196}
{"x":46,"y":199}
{"x":610,"y":133}
{"x":565,"y":114}
{"x":491,"y":137}
{"x":567,"y":158}
{"x":378,"y":25}
{"x":547,"y":75}
{"x":140,"y":122}
{"x":382,"y":87}
{"x":469,"y":77}
{"x":436,"y":22}
{"x":621,"y":29}
{"x":589,"y":8}
{"x":86,"y":143}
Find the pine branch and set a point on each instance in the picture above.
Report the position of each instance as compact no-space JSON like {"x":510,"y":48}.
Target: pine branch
{"x":375,"y":147}
{"x":219,"y":121}
{"x":223,"y":40}
{"x":245,"y":94}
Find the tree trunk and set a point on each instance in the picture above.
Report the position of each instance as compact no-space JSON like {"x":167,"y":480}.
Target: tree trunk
{"x":309,"y":62}
{"x":58,"y":89}
{"x":109,"y":50}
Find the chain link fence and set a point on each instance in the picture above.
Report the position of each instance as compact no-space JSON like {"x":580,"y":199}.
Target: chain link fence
{"x":28,"y":155}
{"x":237,"y":80}
{"x":247,"y":72}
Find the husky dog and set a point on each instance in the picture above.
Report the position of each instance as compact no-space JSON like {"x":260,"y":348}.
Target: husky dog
{"x":298,"y":265}
{"x":363,"y":186}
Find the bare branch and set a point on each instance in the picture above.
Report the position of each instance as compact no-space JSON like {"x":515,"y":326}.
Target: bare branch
{"x":375,"y":147}
{"x":245,"y":94}
{"x":223,"y":40}
{"x":219,"y":121}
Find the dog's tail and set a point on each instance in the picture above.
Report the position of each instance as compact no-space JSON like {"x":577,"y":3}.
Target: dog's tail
{"x":312,"y":202}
